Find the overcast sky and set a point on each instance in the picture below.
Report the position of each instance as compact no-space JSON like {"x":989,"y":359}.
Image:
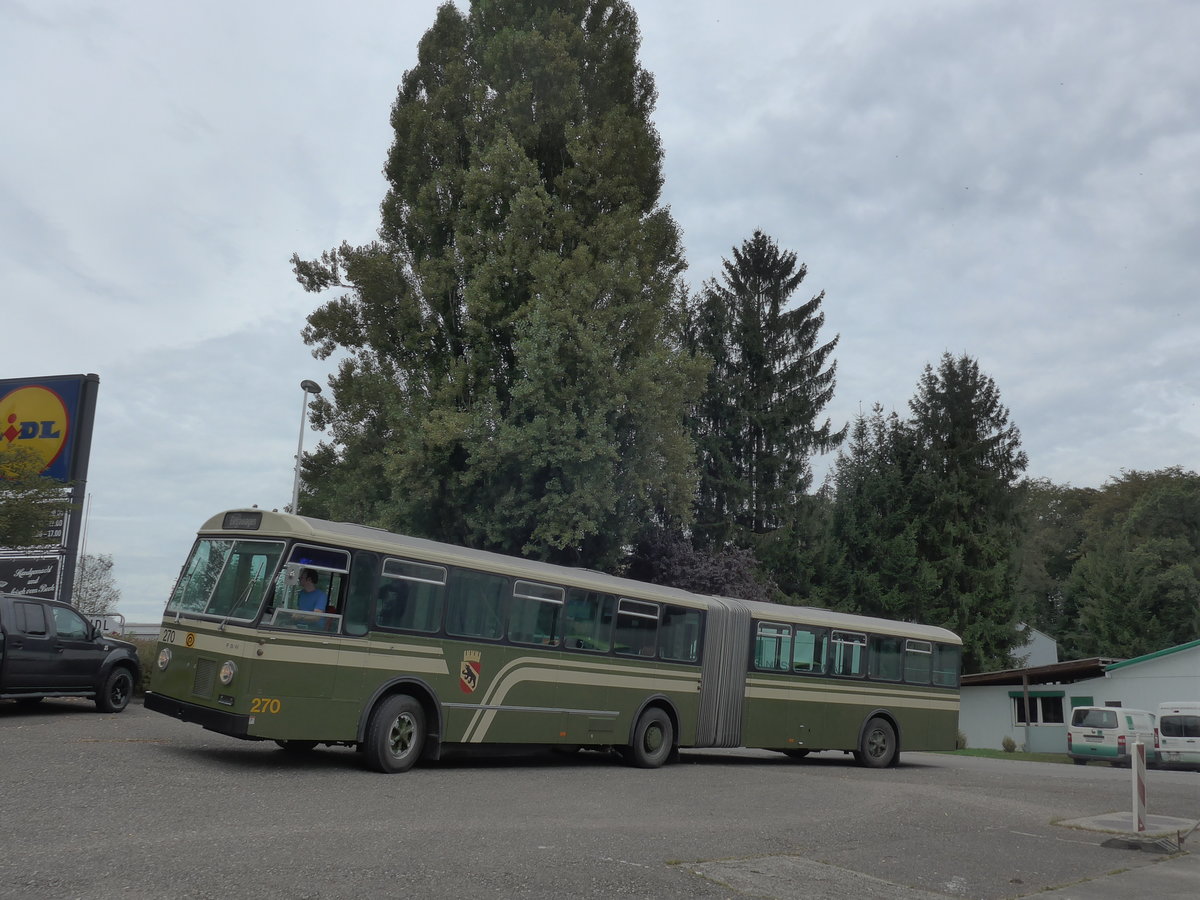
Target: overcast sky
{"x":1017,"y":181}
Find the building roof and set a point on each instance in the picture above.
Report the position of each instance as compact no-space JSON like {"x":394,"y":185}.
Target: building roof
{"x":1158,"y":653}
{"x":1055,"y":673}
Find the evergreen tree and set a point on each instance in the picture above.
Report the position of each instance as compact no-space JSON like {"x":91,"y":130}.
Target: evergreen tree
{"x":758,"y":422}
{"x":968,"y":508}
{"x":874,"y":566}
{"x":509,"y":379}
{"x":926,"y":518}
{"x":1137,"y":582}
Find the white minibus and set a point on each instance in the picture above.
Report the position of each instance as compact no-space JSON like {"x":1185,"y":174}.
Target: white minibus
{"x":1179,"y":734}
{"x":1108,"y":733}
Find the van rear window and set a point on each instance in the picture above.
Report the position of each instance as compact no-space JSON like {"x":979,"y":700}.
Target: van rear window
{"x":1179,"y":726}
{"x":1094,"y":718}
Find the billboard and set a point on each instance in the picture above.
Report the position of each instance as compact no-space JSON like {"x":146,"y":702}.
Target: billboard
{"x":53,"y":417}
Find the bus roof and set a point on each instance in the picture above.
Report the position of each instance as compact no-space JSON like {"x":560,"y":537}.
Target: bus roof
{"x":377,"y":539}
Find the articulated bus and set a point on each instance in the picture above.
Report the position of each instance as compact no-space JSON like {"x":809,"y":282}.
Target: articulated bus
{"x":304,"y":632}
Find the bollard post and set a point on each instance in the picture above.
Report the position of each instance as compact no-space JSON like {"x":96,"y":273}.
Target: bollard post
{"x":1138,"y":767}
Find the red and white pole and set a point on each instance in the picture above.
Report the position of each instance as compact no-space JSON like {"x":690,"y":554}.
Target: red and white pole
{"x":1139,"y":785}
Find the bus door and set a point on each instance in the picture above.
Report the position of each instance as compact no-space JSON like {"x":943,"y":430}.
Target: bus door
{"x":296,"y":669}
{"x":786,"y":709}
{"x":586,"y":690}
{"x":517,"y":684}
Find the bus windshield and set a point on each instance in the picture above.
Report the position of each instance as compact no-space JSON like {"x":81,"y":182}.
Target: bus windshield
{"x":226,"y":578}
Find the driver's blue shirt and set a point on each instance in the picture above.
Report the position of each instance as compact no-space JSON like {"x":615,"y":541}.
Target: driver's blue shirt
{"x":313,"y":601}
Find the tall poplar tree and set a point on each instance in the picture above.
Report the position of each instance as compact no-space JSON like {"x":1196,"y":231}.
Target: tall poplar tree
{"x":759,"y":421}
{"x":508,"y":378}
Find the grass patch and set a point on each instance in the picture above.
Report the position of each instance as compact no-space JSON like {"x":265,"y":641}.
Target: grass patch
{"x":1015,"y":755}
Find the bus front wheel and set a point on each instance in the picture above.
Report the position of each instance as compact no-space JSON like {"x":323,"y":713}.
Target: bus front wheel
{"x":877,"y":748}
{"x":653,"y":740}
{"x":395,"y":735}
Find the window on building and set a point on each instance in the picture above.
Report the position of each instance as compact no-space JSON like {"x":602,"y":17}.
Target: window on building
{"x":1044,"y":709}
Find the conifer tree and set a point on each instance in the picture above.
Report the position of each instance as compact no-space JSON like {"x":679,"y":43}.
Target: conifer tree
{"x":967,"y":505}
{"x":926,"y":521}
{"x":759,"y":423}
{"x":509,"y":378}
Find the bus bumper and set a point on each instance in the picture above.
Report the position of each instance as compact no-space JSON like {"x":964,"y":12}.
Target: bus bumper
{"x":217,"y":720}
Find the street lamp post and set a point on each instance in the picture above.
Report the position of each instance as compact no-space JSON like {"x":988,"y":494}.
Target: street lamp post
{"x":309,"y":387}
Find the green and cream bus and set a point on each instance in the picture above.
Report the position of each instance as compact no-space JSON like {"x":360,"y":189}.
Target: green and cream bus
{"x":306,"y":632}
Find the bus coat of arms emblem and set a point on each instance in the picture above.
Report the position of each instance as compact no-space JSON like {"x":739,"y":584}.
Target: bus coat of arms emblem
{"x":468,"y":675}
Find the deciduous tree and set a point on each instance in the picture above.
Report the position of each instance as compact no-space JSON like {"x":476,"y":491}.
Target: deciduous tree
{"x":508,"y":375}
{"x":30,"y":504}
{"x":96,"y":592}
{"x":1137,"y":581}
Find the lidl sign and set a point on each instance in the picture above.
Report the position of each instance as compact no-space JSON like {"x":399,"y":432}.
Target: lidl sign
{"x":51,"y":417}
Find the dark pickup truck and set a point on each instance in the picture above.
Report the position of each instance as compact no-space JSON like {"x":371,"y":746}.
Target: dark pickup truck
{"x":47,"y":649}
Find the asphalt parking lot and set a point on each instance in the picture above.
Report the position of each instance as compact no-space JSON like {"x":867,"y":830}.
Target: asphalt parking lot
{"x":139,"y":805}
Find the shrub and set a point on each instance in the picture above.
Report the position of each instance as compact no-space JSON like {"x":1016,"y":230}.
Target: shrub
{"x":961,"y":743}
{"x":1009,"y":745}
{"x":147,"y":653}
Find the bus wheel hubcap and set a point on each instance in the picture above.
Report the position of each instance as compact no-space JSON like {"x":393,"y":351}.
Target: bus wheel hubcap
{"x":400,"y":739}
{"x":876,"y":744}
{"x":654,"y":739}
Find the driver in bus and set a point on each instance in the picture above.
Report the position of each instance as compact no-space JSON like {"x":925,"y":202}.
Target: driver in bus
{"x":312,"y":598}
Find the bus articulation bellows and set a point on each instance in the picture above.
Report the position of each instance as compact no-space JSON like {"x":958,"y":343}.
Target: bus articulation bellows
{"x":408,"y":647}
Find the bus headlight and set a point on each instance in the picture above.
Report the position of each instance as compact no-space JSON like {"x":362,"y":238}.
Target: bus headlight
{"x":164,"y":658}
{"x":228,"y":670}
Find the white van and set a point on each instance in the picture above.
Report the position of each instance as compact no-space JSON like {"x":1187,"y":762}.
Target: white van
{"x":1179,"y":734}
{"x":1108,"y":733}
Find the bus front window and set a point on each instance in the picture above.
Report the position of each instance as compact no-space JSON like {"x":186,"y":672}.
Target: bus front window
{"x":226,"y":578}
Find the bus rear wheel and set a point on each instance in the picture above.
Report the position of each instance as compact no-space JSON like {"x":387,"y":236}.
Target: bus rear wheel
{"x":395,"y":735}
{"x":877,"y":748}
{"x":653,"y":740}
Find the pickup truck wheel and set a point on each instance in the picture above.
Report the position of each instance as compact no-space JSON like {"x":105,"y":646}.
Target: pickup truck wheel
{"x":117,"y":690}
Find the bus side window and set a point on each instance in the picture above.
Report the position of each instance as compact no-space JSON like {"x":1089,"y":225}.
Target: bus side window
{"x":358,"y":596}
{"x":587,"y":620}
{"x":679,"y":636}
{"x":886,"y":658}
{"x":637,"y":627}
{"x":535,"y":612}
{"x":946,"y":660}
{"x":475,"y":607}
{"x":849,"y":653}
{"x":918,"y":661}
{"x":773,"y":647}
{"x":809,"y":654}
{"x":411,"y":596}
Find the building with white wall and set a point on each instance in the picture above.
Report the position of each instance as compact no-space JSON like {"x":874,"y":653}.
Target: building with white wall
{"x":1033,"y":705}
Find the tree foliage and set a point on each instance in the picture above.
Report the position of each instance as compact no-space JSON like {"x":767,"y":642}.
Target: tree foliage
{"x":665,"y":556}
{"x":508,"y":377}
{"x":926,"y":519}
{"x":96,"y":592}
{"x":1137,"y":580}
{"x":1053,"y":534}
{"x":30,"y":504}
{"x":758,"y":422}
